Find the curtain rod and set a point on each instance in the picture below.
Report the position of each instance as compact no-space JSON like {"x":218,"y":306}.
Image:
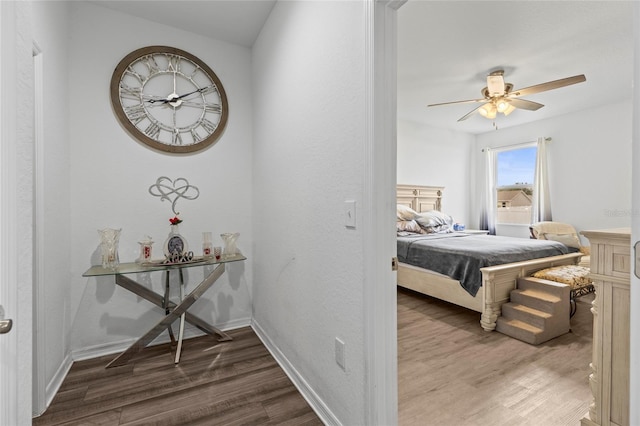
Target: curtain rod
{"x":548,"y":139}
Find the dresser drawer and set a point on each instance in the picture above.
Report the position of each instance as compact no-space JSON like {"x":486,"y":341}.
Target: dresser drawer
{"x":617,"y":261}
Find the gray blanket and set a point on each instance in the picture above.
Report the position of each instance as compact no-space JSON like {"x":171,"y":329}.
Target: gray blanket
{"x":460,"y":256}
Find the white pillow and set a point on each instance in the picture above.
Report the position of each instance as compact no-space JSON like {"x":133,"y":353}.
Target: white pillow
{"x":569,"y":240}
{"x":433,"y":219}
{"x":409,"y":226}
{"x":405,"y":212}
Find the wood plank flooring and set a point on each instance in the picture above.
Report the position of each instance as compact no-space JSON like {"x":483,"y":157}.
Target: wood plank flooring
{"x":453,"y":373}
{"x":450,"y":373}
{"x":230,"y":383}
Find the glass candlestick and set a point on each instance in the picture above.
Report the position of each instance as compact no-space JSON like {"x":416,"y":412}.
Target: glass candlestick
{"x":206,"y":244}
{"x":145,"y":249}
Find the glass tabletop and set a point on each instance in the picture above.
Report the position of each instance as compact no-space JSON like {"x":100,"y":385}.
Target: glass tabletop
{"x":135,"y":267}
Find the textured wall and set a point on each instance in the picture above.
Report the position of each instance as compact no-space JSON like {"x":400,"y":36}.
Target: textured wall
{"x":111,"y":174}
{"x":589,"y":164}
{"x":308,"y":143}
{"x":438,"y":157}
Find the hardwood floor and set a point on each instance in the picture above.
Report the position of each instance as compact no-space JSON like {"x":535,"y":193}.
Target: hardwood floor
{"x":230,"y":383}
{"x":452,"y":372}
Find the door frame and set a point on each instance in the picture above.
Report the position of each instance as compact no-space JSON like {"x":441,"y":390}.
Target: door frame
{"x":380,"y":317}
{"x":634,"y":332}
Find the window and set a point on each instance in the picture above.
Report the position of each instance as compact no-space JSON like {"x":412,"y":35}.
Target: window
{"x":515,"y":169}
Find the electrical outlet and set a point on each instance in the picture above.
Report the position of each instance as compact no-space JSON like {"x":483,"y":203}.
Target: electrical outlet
{"x":340,"y":346}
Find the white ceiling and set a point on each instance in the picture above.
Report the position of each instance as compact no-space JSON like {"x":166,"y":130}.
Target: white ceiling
{"x":233,"y":21}
{"x":446,"y":49}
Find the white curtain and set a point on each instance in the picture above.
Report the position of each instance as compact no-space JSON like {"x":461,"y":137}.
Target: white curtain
{"x":488,"y":209}
{"x":541,"y":207}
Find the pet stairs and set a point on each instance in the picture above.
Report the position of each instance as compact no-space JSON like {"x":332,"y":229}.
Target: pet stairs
{"x":539,"y":310}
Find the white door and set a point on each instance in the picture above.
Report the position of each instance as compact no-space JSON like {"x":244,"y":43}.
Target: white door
{"x":16,"y":162}
{"x":8,"y":342}
{"x":634,"y":378}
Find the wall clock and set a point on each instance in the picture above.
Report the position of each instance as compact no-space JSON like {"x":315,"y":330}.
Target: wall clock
{"x":169,"y":99}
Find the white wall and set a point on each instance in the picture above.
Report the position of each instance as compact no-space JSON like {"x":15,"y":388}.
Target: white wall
{"x":308,"y":64}
{"x":111,"y":174}
{"x":437,"y":157}
{"x":589,"y":164}
{"x":50,"y":27}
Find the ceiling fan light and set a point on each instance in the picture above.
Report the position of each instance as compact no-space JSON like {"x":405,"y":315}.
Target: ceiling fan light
{"x":488,"y":110}
{"x":509,"y":110}
{"x":502,"y":105}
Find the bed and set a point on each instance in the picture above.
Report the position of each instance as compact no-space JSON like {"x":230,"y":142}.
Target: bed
{"x":497,"y":280}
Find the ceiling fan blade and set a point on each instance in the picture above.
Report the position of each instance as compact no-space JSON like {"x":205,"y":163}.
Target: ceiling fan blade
{"x":469,"y":114}
{"x":550,"y":85}
{"x":469,"y":101}
{"x":525,"y":104}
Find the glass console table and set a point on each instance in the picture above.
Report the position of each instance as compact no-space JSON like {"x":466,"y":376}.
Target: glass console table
{"x":173,"y":311}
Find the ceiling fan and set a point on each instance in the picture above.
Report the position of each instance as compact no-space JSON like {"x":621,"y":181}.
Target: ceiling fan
{"x":499,"y":97}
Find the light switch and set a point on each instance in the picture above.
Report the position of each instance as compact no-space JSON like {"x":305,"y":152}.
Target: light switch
{"x":350,"y":214}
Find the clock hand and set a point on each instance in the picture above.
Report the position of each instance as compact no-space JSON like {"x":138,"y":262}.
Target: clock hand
{"x":191,"y":93}
{"x":162,"y":100}
{"x":175,"y":98}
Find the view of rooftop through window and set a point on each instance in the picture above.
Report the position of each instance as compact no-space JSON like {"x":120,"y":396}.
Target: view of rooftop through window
{"x":514,"y":184}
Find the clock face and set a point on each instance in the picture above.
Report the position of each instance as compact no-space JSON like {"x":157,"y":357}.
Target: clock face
{"x":169,"y":99}
{"x":175,"y":245}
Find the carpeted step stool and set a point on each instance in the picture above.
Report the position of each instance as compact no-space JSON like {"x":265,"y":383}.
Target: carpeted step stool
{"x":539,"y":311}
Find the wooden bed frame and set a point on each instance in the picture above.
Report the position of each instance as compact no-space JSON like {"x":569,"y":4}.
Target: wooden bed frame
{"x":497,"y":281}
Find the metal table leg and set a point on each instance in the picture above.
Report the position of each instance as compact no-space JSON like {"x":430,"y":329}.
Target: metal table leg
{"x":128,"y":284}
{"x":167,"y":308}
{"x":177,"y":311}
{"x":181,"y":330}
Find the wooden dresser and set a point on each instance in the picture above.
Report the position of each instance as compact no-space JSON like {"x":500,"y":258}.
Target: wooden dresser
{"x":609,"y":378}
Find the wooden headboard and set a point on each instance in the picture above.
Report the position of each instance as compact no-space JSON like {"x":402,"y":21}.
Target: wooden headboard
{"x":420,"y":198}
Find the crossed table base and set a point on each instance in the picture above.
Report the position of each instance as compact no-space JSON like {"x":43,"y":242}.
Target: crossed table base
{"x":173,"y":311}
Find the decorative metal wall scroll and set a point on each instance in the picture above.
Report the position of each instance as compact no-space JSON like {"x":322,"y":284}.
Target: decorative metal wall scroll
{"x":173,"y":190}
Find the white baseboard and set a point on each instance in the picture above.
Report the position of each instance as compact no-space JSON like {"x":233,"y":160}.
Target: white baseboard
{"x":190,"y":331}
{"x":57,"y":379}
{"x":321,"y":409}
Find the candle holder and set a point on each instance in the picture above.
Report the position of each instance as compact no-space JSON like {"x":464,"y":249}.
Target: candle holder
{"x":230,"y":246}
{"x":145,"y":249}
{"x":109,"y":239}
{"x":206,"y":244}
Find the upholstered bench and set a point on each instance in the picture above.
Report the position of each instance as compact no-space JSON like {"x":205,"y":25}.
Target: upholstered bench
{"x":574,"y":275}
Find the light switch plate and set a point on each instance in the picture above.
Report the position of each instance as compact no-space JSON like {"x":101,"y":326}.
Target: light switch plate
{"x":350,"y":214}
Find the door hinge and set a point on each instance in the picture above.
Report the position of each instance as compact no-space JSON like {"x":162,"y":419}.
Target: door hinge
{"x":394,"y":263}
